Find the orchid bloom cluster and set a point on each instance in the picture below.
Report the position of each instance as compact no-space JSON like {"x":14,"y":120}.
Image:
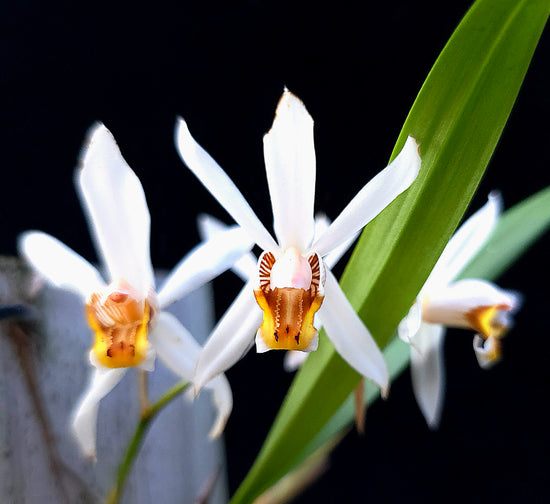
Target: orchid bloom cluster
{"x":446,"y":302}
{"x":125,"y":313}
{"x":279,"y":303}
{"x":290,"y":290}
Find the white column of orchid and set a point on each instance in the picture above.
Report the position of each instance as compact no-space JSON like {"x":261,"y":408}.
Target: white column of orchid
{"x":291,"y":272}
{"x":444,"y":302}
{"x":124,"y":312}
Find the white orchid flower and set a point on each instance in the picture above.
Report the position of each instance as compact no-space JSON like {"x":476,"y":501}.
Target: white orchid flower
{"x":444,"y":302}
{"x":246,"y":267}
{"x":124,"y":312}
{"x":291,"y":281}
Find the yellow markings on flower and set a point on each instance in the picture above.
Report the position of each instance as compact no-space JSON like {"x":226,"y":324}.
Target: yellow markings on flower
{"x":491,"y":324}
{"x":120,"y":323}
{"x":288,"y":312}
{"x":288,"y":317}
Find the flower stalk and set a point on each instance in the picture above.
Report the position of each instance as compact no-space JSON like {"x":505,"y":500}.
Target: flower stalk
{"x":147,"y":416}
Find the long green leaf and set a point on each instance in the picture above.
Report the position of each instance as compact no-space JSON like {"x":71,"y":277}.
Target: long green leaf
{"x":457,"y":119}
{"x":517,"y":229}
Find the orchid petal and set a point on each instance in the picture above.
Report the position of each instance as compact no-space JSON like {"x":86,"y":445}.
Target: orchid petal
{"x":203,"y":263}
{"x":117,"y":210}
{"x":175,"y":346}
{"x":428,"y":371}
{"x":223,"y":400}
{"x":247,"y":266}
{"x":450,"y":305}
{"x":465,"y":243}
{"x":60,"y":265}
{"x":294,"y":360}
{"x":349,"y":335}
{"x":322,"y":223}
{"x":179,"y":351}
{"x":84,"y":422}
{"x":410,"y":325}
{"x":221,"y":186}
{"x":289,"y":156}
{"x":231,"y":338}
{"x":372,"y":199}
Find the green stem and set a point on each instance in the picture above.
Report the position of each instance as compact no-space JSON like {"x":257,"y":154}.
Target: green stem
{"x":137,"y":439}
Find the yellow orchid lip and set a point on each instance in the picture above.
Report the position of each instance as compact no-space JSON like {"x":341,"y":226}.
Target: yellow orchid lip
{"x":120,"y":323}
{"x":488,"y":321}
{"x":288,"y":312}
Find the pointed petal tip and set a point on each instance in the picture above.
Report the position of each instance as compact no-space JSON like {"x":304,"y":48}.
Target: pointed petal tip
{"x":97,"y":136}
{"x":290,"y":103}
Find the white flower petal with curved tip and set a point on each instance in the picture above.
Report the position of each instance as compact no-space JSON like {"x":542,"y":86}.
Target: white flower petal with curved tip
{"x":289,"y":156}
{"x":231,"y":338}
{"x":294,"y":360}
{"x":220,"y":186}
{"x":449,"y":305}
{"x":465,"y":243}
{"x":484,"y":348}
{"x":178,"y":350}
{"x":175,"y":345}
{"x":84,"y":421}
{"x":349,"y":335}
{"x":428,"y":371}
{"x":409,"y":326}
{"x":372,"y":199}
{"x":116,"y":208}
{"x":60,"y":265}
{"x":205,"y":262}
{"x":247,"y":266}
{"x":223,"y":400}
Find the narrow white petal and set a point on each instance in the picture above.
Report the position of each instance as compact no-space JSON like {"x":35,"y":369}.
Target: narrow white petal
{"x":60,"y":265}
{"x":247,"y":266}
{"x":179,"y":351}
{"x":483,"y":350}
{"x":410,"y":324}
{"x":322,"y":223}
{"x":449,"y":305}
{"x":294,"y":360}
{"x":289,"y":156}
{"x":175,"y":346}
{"x":102,"y":381}
{"x":117,"y":210}
{"x":428,"y":372}
{"x":465,"y":243}
{"x":205,"y":262}
{"x":223,"y":400}
{"x":220,"y":186}
{"x":349,"y":335}
{"x":372,"y":199}
{"x":231,"y":338}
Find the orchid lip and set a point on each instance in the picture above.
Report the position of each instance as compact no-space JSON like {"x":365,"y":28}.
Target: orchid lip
{"x":120,"y":319}
{"x":290,"y":292}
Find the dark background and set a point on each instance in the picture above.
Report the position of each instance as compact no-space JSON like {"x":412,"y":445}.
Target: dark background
{"x":135,"y":67}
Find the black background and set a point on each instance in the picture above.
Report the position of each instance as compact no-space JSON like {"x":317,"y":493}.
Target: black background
{"x":135,"y":67}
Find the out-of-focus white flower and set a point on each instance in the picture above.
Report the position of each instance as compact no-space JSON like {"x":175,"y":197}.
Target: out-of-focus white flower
{"x":125,"y":313}
{"x":291,"y":281}
{"x":444,"y":302}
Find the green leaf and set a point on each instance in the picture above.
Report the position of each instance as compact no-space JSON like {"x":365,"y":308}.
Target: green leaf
{"x":457,"y":119}
{"x":517,"y":229}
